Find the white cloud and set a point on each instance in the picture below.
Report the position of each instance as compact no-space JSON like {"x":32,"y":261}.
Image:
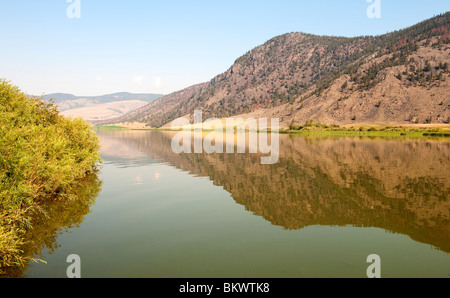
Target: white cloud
{"x":99,"y":78}
{"x":137,"y":80}
{"x":157,"y":82}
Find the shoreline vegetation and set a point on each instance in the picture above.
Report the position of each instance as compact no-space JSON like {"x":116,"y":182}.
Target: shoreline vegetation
{"x":44,"y":157}
{"x":317,"y":128}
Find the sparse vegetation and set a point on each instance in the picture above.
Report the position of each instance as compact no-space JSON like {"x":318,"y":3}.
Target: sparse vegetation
{"x":297,"y":67}
{"x":370,"y":130}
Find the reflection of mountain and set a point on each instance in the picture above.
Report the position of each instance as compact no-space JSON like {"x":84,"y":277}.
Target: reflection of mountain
{"x":398,"y":185}
{"x":115,"y":151}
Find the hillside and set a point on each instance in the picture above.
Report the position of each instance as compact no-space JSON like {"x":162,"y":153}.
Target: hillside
{"x":400,"y":77}
{"x":95,"y":108}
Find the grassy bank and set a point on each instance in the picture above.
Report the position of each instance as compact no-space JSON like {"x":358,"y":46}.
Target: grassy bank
{"x":381,"y":130}
{"x":42,"y":158}
{"x":374,"y":133}
{"x":112,"y":127}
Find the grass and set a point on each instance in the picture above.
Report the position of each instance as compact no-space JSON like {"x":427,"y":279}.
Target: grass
{"x":384,"y":130}
{"x":109,"y":127}
{"x":357,"y":133}
{"x":314,"y":128}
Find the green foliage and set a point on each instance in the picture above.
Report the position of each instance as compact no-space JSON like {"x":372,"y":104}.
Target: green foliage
{"x":42,"y":157}
{"x":292,"y":126}
{"x":310,"y":125}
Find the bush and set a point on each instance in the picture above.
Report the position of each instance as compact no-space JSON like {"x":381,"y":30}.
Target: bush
{"x":292,"y":126}
{"x":42,"y":157}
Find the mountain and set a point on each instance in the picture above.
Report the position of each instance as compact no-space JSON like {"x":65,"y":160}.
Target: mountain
{"x":399,"y":77}
{"x":69,"y":101}
{"x":104,"y":107}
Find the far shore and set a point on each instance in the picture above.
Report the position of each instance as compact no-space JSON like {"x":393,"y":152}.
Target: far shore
{"x":360,"y":129}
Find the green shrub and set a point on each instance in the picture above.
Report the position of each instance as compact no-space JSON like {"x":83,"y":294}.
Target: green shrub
{"x":42,"y":157}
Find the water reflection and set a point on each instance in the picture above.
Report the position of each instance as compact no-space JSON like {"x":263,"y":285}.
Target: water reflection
{"x":400,"y":185}
{"x":122,"y":154}
{"x":56,"y":218}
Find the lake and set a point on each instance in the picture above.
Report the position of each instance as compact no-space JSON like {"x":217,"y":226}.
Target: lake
{"x":326,"y":205}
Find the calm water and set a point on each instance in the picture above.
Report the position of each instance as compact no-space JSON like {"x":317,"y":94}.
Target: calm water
{"x":325,"y":206}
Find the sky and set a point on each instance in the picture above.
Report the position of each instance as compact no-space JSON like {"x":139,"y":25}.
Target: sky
{"x":95,"y":47}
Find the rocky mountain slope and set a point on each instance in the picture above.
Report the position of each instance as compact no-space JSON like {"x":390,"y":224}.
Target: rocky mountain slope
{"x":400,"y":77}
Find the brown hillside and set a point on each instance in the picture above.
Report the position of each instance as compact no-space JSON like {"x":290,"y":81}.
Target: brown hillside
{"x":400,"y":77}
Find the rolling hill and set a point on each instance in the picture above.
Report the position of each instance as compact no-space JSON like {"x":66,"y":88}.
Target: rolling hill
{"x":95,"y":108}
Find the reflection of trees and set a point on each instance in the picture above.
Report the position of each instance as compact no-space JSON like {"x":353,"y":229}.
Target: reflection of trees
{"x":57,"y":216}
{"x":400,"y":186}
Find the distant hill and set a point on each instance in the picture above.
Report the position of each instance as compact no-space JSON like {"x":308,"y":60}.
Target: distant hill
{"x":399,"y":77}
{"x":104,"y":107}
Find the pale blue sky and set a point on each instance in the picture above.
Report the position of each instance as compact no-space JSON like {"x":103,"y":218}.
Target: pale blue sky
{"x":164,"y":46}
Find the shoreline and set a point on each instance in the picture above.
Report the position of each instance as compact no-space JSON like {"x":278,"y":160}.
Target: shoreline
{"x":370,"y":130}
